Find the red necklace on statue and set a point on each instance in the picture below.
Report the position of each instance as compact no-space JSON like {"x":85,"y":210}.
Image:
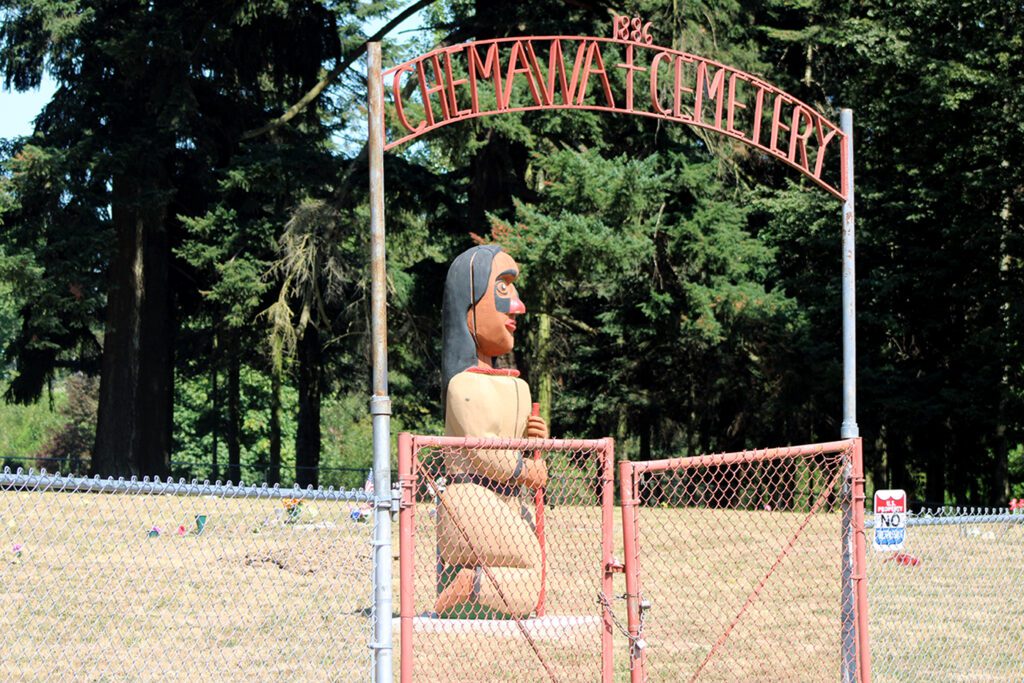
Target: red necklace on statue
{"x":500,"y":372}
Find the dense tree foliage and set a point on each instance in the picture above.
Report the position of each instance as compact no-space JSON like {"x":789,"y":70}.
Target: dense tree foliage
{"x":187,"y":224}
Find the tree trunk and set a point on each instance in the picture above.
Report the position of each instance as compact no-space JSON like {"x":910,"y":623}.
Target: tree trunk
{"x":215,"y":407}
{"x":896,"y":452}
{"x":497,"y":171}
{"x":645,"y":437}
{"x":274,"y":470}
{"x":233,"y":431}
{"x":999,"y":483}
{"x":877,"y":461}
{"x":543,"y":362}
{"x":933,"y":446}
{"x":307,"y":438}
{"x":133,"y":431}
{"x":650,"y":487}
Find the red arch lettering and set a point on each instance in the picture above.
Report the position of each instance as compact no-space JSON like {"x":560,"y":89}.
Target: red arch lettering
{"x":700,"y":92}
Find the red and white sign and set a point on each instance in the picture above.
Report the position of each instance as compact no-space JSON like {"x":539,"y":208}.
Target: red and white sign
{"x":890,"y":519}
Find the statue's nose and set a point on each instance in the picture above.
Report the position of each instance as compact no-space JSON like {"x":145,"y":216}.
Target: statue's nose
{"x":516,"y":306}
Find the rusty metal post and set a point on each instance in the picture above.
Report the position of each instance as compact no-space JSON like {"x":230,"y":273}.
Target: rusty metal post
{"x":849,"y":429}
{"x":407,"y":476}
{"x":380,"y":402}
{"x":607,"y":474}
{"x":848,"y":598}
{"x":629,"y":500}
{"x":860,"y":569}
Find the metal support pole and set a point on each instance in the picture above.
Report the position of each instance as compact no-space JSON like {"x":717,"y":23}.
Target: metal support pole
{"x":849,"y":428}
{"x":406,"y":552}
{"x":607,"y":474}
{"x":860,"y":567}
{"x":380,"y":402}
{"x":850,"y":669}
{"x":848,"y":598}
{"x":629,"y":500}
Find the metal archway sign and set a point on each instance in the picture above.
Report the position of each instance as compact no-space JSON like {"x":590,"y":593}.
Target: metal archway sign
{"x":530,"y":73}
{"x":569,"y":72}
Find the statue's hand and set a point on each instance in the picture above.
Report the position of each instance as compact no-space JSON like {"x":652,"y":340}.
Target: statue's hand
{"x":536,"y":427}
{"x":535,"y":474}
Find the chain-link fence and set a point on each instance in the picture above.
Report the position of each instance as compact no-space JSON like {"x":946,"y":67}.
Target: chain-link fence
{"x":339,"y":477}
{"x":506,"y":550}
{"x":741,"y":567}
{"x":105,"y":580}
{"x":950,"y":605}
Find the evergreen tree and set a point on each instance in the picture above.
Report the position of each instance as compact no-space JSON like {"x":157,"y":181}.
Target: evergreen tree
{"x":198,"y":184}
{"x":151,"y":99}
{"x":934,"y":88}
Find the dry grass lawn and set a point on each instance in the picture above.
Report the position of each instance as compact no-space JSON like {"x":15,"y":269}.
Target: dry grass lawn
{"x":94,"y":597}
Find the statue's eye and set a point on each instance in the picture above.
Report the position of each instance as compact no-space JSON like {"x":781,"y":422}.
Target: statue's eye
{"x":501,"y":288}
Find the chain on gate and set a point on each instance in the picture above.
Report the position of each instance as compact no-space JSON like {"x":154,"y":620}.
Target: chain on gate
{"x":637,"y":642}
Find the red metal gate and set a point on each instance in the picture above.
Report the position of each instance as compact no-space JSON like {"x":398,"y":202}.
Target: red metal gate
{"x":737,"y":565}
{"x":540,"y":561}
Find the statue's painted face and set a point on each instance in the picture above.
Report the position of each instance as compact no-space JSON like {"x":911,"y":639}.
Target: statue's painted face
{"x":492,"y":321}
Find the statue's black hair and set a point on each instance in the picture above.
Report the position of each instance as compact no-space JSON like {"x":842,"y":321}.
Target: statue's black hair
{"x":471,"y":270}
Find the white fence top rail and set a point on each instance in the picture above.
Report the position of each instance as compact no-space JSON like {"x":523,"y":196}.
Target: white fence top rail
{"x":954,"y":516}
{"x":43,"y":481}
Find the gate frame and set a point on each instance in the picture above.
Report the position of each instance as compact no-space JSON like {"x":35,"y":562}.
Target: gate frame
{"x":410,"y":444}
{"x":854,"y":554}
{"x":631,"y":33}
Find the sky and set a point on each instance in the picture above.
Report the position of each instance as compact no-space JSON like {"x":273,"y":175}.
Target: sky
{"x":17,"y":110}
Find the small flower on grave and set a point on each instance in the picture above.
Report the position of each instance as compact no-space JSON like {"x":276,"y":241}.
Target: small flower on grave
{"x":905,"y":559}
{"x":154,"y":532}
{"x":181,"y":529}
{"x":16,"y":549}
{"x":293,"y":509}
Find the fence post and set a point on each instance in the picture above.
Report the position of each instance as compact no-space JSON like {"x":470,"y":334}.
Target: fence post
{"x":860,"y":564}
{"x":627,"y":489}
{"x":406,"y":520}
{"x":380,"y":402}
{"x":849,"y":428}
{"x":607,"y":475}
{"x":856,"y":655}
{"x":848,"y":607}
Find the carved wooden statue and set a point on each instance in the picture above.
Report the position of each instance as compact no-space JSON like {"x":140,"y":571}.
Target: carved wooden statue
{"x":483,"y":520}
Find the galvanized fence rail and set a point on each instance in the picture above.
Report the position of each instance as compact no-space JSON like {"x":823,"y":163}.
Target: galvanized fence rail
{"x":126,"y":580}
{"x":950,"y":605}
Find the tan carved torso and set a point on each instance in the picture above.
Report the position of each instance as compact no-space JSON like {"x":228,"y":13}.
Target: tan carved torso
{"x":486,"y":406}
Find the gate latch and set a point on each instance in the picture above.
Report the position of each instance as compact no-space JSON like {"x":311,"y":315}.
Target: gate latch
{"x":405,"y":493}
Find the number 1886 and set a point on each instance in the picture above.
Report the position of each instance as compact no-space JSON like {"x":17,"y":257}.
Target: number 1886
{"x":633,"y":29}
